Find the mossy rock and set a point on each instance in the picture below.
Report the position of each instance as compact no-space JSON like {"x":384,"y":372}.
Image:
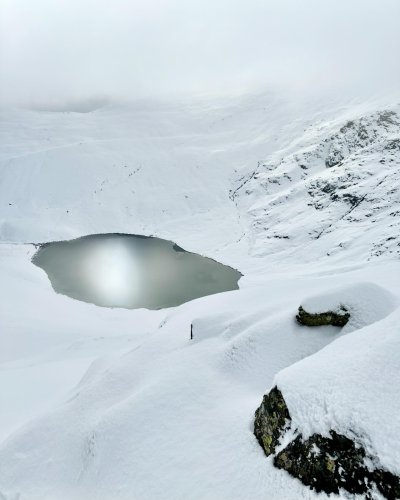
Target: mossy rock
{"x":271,"y":419}
{"x":334,"y":318}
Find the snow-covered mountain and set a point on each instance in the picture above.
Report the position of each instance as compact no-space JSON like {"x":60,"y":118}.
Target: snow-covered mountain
{"x":300,"y":195}
{"x":337,"y":178}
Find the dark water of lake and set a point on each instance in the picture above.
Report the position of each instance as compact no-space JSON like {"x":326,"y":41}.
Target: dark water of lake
{"x":120,"y":270}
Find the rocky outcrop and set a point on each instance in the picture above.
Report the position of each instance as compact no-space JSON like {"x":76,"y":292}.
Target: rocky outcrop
{"x":329,"y":463}
{"x":323,"y":463}
{"x":272,"y":417}
{"x":334,"y":318}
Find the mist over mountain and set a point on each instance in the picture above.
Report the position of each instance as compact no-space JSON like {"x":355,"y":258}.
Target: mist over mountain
{"x":52,"y":53}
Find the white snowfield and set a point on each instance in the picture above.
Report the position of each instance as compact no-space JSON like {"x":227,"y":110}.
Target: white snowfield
{"x":302,"y":196}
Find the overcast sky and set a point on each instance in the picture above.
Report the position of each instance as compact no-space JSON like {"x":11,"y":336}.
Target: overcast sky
{"x":52,"y":50}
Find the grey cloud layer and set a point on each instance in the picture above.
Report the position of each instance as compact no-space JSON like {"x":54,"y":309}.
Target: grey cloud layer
{"x":59,"y":49}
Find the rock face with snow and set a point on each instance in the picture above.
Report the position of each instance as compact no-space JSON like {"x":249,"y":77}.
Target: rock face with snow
{"x":338,"y":178}
{"x":323,"y":463}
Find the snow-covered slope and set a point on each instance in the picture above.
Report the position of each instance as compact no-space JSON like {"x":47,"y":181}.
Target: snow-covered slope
{"x":300,"y":195}
{"x":338,"y":180}
{"x":148,"y":168}
{"x":187,"y":171}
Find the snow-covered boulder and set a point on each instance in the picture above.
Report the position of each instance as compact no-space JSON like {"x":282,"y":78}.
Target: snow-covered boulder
{"x":336,"y":462}
{"x":338,"y":317}
{"x":330,"y":419}
{"x":355,"y":306}
{"x":325,"y":463}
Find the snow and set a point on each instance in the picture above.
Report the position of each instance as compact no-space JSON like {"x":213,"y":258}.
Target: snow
{"x":352,"y":388}
{"x":112,"y":403}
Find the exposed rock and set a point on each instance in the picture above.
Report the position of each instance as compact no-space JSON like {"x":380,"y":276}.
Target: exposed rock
{"x":327,"y":464}
{"x":334,"y":318}
{"x":271,"y":419}
{"x":323,"y":463}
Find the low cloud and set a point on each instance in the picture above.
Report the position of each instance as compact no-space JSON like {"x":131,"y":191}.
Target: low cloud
{"x":55,"y":51}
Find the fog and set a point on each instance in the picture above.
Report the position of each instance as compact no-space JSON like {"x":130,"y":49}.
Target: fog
{"x":63,"y":50}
